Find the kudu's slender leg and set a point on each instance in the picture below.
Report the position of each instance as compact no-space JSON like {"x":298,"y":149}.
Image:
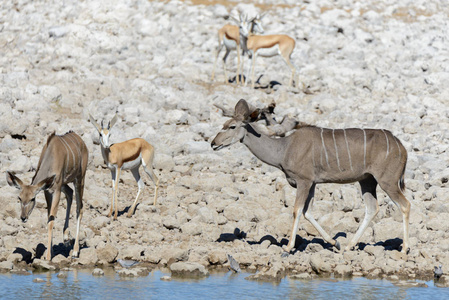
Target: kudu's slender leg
{"x":51,"y":220}
{"x":79,"y":189}
{"x":309,"y":217}
{"x":141,"y":185}
{"x":369,"y":196}
{"x":69,"y":196}
{"x":302,"y":196}
{"x":49,"y":200}
{"x":395,"y":193}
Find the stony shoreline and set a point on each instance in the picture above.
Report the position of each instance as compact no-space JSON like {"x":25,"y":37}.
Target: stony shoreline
{"x":375,"y":65}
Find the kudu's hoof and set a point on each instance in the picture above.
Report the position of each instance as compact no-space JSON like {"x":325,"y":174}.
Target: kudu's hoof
{"x":337,"y":245}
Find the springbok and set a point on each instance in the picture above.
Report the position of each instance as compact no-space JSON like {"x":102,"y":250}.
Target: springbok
{"x":128,"y":155}
{"x":313,"y":155}
{"x":63,"y":160}
{"x":229,"y":37}
{"x":266,"y":46}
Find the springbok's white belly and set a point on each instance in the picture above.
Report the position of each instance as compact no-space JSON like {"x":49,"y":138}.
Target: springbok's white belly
{"x":132,"y":164}
{"x":268,"y":52}
{"x":230,"y":44}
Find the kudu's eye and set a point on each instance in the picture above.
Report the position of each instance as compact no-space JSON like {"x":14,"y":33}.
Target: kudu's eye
{"x":232,"y":127}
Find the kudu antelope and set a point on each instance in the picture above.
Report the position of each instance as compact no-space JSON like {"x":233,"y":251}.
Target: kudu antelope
{"x":63,"y":160}
{"x":128,"y":155}
{"x":229,"y":37}
{"x":266,"y":46}
{"x":313,"y":155}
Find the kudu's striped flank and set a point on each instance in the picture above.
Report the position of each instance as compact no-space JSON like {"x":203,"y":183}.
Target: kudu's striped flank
{"x":63,"y":160}
{"x":313,"y":155}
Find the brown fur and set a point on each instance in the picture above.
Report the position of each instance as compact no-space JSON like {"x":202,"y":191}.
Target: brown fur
{"x":63,"y":160}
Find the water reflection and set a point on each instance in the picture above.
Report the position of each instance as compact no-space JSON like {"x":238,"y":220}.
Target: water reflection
{"x":80,"y":284}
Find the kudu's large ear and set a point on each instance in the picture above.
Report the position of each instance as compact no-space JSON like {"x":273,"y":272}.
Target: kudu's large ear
{"x":13,"y":180}
{"x":241,"y":111}
{"x":46,"y":183}
{"x":92,"y":120}
{"x":113,"y":121}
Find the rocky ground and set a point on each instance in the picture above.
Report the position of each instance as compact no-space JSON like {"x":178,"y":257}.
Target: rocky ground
{"x":376,"y":65}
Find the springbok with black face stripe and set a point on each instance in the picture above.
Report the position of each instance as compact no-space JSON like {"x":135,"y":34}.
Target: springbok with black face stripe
{"x":128,"y":155}
{"x":229,"y":37}
{"x":313,"y":155}
{"x":63,"y":160}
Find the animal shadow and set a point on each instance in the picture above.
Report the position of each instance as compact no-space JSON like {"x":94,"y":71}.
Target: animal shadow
{"x":26,"y":255}
{"x":229,"y":237}
{"x":61,"y":248}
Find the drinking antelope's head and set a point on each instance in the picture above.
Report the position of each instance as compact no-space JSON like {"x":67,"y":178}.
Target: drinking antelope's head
{"x":104,"y":132}
{"x":27,"y":196}
{"x":234,"y":129}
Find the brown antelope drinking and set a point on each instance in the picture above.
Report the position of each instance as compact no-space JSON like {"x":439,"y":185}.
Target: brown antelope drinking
{"x":128,"y":155}
{"x":313,"y":155}
{"x":63,"y":160}
{"x":229,"y":37}
{"x":266,"y":46}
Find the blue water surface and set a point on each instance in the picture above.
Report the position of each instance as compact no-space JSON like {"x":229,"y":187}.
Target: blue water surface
{"x":80,"y":284}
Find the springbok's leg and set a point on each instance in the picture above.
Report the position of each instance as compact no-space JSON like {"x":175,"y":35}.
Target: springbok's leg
{"x":224,"y":64}
{"x":253,"y":64}
{"x":69,"y":195}
{"x":117,"y":178}
{"x":242,"y":69}
{"x":309,"y":217}
{"x":395,"y":193}
{"x":79,"y":190}
{"x":238,"y":65}
{"x":220,"y":46}
{"x":141,"y":185}
{"x":113,"y":175}
{"x":292,"y":68}
{"x":149,"y":171}
{"x":303,"y":193}
{"x":368,"y":187}
{"x":51,"y":220}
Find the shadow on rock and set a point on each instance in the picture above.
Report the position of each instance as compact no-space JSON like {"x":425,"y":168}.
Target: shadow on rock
{"x":391,"y":244}
{"x":229,"y":237}
{"x":26,"y":255}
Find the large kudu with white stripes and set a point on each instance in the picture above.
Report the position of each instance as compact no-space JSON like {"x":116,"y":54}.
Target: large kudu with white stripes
{"x":313,"y":155}
{"x":63,"y":160}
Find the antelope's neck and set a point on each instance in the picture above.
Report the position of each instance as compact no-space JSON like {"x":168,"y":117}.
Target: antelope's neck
{"x":105,"y":152}
{"x":267,"y":149}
